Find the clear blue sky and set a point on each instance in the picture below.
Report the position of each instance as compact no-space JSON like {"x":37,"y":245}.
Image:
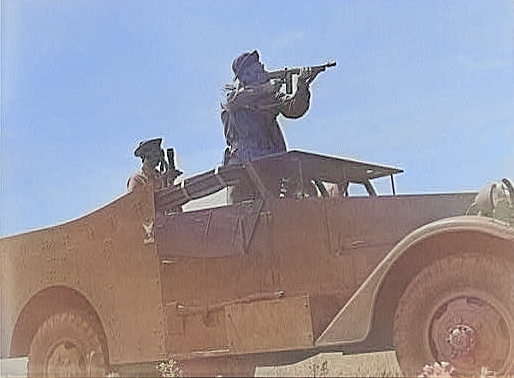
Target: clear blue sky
{"x":425,"y":85}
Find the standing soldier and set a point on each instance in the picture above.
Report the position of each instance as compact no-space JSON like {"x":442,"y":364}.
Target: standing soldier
{"x":250,"y":113}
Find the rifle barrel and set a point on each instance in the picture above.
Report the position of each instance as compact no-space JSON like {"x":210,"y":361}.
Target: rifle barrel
{"x":281,"y":74}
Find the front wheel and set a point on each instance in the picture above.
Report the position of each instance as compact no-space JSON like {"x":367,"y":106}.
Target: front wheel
{"x":459,"y":310}
{"x":66,"y":345}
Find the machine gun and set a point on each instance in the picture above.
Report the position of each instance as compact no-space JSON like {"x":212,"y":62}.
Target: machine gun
{"x":171,"y":172}
{"x":285,"y":76}
{"x":167,"y":168}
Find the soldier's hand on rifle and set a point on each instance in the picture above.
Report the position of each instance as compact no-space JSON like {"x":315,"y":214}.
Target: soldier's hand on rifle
{"x":307,"y":75}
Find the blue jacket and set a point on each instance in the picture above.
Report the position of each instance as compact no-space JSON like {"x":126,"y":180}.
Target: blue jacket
{"x":250,"y":119}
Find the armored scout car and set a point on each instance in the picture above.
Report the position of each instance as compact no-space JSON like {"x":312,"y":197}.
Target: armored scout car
{"x":295,"y":266}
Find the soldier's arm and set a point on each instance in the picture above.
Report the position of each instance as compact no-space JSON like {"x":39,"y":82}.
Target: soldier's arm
{"x":297,"y":105}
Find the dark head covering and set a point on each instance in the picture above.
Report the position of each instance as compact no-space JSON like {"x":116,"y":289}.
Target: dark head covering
{"x":149,"y":147}
{"x":244,"y":60}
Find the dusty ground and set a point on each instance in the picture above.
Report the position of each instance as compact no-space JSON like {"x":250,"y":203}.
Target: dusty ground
{"x":13,"y":368}
{"x":381,"y":364}
{"x":323,"y":365}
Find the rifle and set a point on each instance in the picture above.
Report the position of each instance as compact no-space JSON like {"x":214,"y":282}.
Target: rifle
{"x":286,"y":75}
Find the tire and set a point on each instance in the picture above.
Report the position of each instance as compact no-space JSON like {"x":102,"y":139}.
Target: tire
{"x":66,"y":345}
{"x":459,"y":310}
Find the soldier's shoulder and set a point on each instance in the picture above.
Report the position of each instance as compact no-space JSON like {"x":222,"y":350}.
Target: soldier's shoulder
{"x":136,"y":180}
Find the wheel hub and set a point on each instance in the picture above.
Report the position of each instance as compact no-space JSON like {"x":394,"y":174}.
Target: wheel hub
{"x":66,"y":360}
{"x":461,"y":340}
{"x":469,"y":333}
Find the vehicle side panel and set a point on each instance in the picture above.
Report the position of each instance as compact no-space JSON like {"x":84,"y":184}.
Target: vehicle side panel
{"x":212,"y":302}
{"x":365,"y":229}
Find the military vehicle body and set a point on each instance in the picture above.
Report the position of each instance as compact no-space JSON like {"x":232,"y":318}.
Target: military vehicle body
{"x":294,"y":266}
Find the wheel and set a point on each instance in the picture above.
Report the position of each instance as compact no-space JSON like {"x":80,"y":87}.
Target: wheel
{"x":459,"y":310}
{"x":66,"y":345}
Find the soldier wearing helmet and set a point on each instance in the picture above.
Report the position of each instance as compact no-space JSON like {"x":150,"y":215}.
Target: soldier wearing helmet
{"x":151,"y":155}
{"x":250,"y":112}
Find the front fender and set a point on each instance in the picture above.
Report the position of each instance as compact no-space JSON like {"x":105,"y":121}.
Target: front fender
{"x":353,"y":322}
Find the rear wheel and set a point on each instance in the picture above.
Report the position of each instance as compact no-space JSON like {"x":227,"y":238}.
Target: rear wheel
{"x":459,"y":310}
{"x":66,"y":345}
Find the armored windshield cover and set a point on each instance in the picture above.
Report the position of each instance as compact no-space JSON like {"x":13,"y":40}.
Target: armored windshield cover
{"x":325,"y":168}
